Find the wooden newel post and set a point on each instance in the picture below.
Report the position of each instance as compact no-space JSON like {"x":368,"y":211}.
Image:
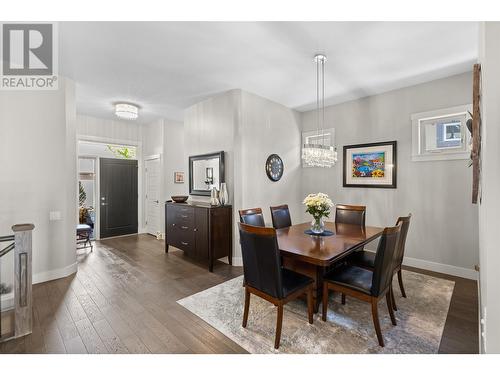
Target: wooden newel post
{"x":22,"y":282}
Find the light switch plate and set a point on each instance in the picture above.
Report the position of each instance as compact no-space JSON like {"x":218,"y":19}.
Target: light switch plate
{"x":55,"y":215}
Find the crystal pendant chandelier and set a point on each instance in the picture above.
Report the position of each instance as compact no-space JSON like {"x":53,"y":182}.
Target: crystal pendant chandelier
{"x":318,"y":153}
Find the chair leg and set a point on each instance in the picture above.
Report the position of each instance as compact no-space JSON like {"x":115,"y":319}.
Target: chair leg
{"x":310,"y":305}
{"x":393,"y":299}
{"x":343,"y":299}
{"x":279,"y":322}
{"x":324,"y":302}
{"x":247,"y":306}
{"x":388,"y":298}
{"x":376,"y":322}
{"x":400,"y":280}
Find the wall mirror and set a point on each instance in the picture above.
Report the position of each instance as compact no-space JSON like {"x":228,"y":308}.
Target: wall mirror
{"x":205,"y":172}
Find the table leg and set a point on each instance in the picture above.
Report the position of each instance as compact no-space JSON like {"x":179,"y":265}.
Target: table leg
{"x":318,"y":293}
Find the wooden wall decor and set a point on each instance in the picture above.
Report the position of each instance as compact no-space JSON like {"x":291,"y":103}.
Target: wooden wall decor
{"x":476,"y":132}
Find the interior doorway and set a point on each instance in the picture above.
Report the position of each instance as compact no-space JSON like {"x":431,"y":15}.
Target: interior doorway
{"x":108,"y":185}
{"x":153,"y":208}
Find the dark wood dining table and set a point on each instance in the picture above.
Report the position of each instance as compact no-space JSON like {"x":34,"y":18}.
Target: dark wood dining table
{"x":314,"y":255}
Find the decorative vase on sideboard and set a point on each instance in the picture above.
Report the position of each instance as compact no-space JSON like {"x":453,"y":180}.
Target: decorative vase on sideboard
{"x":223,"y":194}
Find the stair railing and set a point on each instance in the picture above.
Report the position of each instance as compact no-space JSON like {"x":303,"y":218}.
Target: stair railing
{"x":22,"y":248}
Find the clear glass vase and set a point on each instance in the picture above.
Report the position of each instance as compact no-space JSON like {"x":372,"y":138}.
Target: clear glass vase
{"x":318,"y":225}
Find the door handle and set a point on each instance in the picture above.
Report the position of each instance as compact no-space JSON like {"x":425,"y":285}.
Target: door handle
{"x":184,"y":243}
{"x":156,"y":201}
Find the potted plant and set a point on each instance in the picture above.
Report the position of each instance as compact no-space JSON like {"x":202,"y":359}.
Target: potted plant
{"x":318,"y":205}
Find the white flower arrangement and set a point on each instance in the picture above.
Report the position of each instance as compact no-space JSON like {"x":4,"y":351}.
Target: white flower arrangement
{"x":318,"y":205}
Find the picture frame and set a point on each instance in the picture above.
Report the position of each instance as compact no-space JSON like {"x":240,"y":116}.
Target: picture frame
{"x":178,"y":177}
{"x":370,"y":165}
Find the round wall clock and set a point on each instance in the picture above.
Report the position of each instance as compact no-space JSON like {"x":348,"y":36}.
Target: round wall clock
{"x":274,"y":167}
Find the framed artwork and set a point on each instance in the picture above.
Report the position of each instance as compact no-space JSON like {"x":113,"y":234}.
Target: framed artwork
{"x":179,"y":177}
{"x":370,"y":165}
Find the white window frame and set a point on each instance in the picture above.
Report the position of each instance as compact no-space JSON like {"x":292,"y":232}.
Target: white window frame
{"x":451,"y":153}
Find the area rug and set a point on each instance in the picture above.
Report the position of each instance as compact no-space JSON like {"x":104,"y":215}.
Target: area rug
{"x":349,"y":328}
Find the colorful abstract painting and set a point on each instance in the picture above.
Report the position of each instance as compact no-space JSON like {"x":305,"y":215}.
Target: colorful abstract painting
{"x":368,"y":165}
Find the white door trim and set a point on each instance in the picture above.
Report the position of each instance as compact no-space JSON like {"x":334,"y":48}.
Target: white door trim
{"x":146,"y":159}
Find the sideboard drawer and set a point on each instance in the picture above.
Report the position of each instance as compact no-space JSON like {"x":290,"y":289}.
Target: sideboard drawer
{"x":181,"y":238}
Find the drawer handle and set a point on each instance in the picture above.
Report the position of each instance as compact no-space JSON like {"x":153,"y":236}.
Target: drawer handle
{"x":184,"y":243}
{"x":195,"y":230}
{"x":173,"y":224}
{"x":183,"y":227}
{"x":184,"y":216}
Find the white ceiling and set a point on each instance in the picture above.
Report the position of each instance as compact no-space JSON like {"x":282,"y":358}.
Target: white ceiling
{"x":165,"y":67}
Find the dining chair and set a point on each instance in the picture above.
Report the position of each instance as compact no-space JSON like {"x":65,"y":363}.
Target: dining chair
{"x":281,"y":216}
{"x":266,"y":278}
{"x":252,"y":216}
{"x":366,"y":285}
{"x":349,"y":214}
{"x":366,"y":259}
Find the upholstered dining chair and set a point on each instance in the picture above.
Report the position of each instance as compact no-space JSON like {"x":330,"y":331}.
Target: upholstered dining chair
{"x":349,"y":214}
{"x":366,"y":285}
{"x":366,"y":259}
{"x":265,"y":277}
{"x":252,"y":216}
{"x":281,"y":216}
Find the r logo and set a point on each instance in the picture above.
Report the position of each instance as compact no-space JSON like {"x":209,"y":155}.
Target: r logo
{"x":27,"y":49}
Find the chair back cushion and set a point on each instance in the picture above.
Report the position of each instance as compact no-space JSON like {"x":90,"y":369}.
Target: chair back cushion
{"x":281,"y":217}
{"x":384,"y":260}
{"x":400,"y":252}
{"x":261,"y":259}
{"x":252,"y":216}
{"x":347,"y":214}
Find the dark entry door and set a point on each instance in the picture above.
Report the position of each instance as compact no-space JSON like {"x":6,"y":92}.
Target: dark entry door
{"x":118,"y":197}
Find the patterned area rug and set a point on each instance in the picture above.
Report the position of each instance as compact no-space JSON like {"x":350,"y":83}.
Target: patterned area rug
{"x":348,"y":329}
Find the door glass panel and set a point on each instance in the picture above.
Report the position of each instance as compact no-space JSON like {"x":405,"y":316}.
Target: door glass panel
{"x":86,"y":192}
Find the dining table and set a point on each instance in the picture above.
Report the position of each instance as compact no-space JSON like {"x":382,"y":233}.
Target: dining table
{"x":314,"y":255}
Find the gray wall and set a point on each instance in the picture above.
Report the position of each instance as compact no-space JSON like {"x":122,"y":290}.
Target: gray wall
{"x":166,"y":138}
{"x":490,"y":186}
{"x":248,"y":128}
{"x":269,"y":128}
{"x":444,"y":230}
{"x":38,"y":153}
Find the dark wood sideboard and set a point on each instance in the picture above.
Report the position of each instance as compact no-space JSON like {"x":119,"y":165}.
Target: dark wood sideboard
{"x":202,"y":231}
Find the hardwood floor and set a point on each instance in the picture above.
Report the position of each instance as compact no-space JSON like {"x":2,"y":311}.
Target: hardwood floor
{"x":123,"y":300}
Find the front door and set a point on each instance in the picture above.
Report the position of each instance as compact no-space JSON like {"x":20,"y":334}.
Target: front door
{"x":153,"y":212}
{"x":118,"y":197}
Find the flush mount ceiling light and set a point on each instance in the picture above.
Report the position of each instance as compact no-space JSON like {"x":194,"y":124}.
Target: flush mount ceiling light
{"x":319,"y":153}
{"x":126,"y":111}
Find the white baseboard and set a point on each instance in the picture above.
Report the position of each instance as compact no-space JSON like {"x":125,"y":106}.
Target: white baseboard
{"x":237,"y":261}
{"x":54,"y":274}
{"x":466,"y":273}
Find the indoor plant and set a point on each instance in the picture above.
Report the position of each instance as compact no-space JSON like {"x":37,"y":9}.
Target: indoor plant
{"x":318,"y":205}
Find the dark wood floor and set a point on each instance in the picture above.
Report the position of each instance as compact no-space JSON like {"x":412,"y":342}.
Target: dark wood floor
{"x":123,"y":300}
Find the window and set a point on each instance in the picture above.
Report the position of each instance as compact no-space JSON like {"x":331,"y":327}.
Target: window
{"x":441,"y":134}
